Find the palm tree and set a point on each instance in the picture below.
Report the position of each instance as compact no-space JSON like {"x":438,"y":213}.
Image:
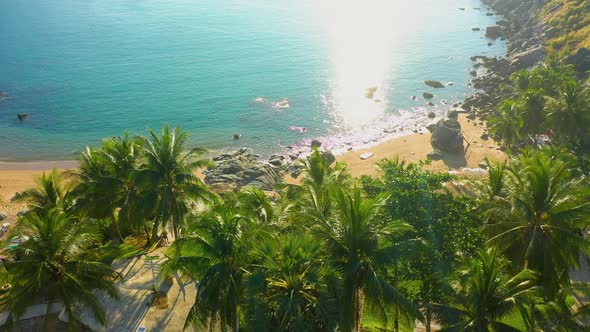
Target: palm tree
{"x":169,"y":186}
{"x":355,"y":241}
{"x":507,"y":123}
{"x":569,"y":112}
{"x":533,"y":107}
{"x":214,"y":252}
{"x":57,"y":264}
{"x":485,"y":293}
{"x":105,"y":187}
{"x":50,"y":193}
{"x":289,"y":291}
{"x":312,"y":198}
{"x":539,"y":223}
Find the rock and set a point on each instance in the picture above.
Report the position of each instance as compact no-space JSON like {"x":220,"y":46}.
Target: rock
{"x":237,"y":136}
{"x":461,"y":8}
{"x":447,"y":137}
{"x":450,"y":83}
{"x":22,"y":116}
{"x":489,"y":14}
{"x":3,"y":95}
{"x":490,"y":44}
{"x":483,"y":165}
{"x":530,"y":57}
{"x":453,"y":115}
{"x":330,"y":157}
{"x":431,"y":115}
{"x":435,"y":155}
{"x":476,"y":29}
{"x":366,"y":155}
{"x":431,"y":127}
{"x":315,"y":144}
{"x":3,"y":215}
{"x":473,"y":73}
{"x":471,"y":116}
{"x":427,"y":95}
{"x":276,"y":160}
{"x":434,"y":84}
{"x":580,"y":60}
{"x":494,"y":31}
{"x":413,"y":97}
{"x":429,"y":103}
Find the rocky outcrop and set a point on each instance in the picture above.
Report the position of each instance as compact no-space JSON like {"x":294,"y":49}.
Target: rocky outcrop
{"x":580,"y":60}
{"x":494,"y":31}
{"x":446,"y":136}
{"x":530,"y":57}
{"x":240,"y":168}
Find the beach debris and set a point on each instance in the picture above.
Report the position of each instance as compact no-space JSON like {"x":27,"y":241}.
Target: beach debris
{"x":22,"y":116}
{"x":434,"y":84}
{"x":371,"y":92}
{"x":427,"y":95}
{"x":298,"y":129}
{"x":315,"y":144}
{"x":366,"y":155}
{"x":237,"y":136}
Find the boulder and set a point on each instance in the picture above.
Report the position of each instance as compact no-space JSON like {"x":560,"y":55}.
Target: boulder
{"x":580,"y":60}
{"x":276,"y":160}
{"x":446,"y":136}
{"x":315,"y":144}
{"x":530,"y":57}
{"x":330,"y":157}
{"x":494,"y":31}
{"x":427,"y":95}
{"x":485,"y":137}
{"x":434,"y":84}
{"x":435,"y":155}
{"x":431,"y":115}
{"x":3,"y":215}
{"x":453,"y":115}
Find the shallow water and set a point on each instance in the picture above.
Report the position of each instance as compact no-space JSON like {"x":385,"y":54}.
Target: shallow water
{"x":84,"y":70}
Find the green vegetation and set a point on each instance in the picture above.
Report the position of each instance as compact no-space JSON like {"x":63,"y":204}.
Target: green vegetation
{"x":333,"y":252}
{"x":571,"y":18}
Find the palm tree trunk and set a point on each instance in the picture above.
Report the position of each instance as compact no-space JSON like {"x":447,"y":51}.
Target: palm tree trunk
{"x":396,"y":319}
{"x":428,"y":317}
{"x":359,"y":298}
{"x":116,"y":231}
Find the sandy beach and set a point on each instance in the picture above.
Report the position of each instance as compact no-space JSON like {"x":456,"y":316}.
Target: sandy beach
{"x":16,"y":177}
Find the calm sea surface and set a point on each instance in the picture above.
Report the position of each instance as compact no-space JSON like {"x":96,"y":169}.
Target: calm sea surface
{"x":84,"y":70}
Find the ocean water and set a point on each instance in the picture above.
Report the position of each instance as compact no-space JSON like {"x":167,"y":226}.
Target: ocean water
{"x":84,"y":70}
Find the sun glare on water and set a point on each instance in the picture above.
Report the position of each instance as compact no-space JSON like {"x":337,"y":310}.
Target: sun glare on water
{"x":362,"y":37}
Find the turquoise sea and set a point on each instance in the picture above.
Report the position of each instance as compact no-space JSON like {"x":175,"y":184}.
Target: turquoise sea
{"x":84,"y":70}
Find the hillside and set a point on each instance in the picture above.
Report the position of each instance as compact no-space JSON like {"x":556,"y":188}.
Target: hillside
{"x":571,"y":22}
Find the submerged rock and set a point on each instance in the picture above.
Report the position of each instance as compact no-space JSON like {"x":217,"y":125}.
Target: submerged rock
{"x":494,"y":31}
{"x":427,"y":95}
{"x":22,"y":116}
{"x":434,"y":84}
